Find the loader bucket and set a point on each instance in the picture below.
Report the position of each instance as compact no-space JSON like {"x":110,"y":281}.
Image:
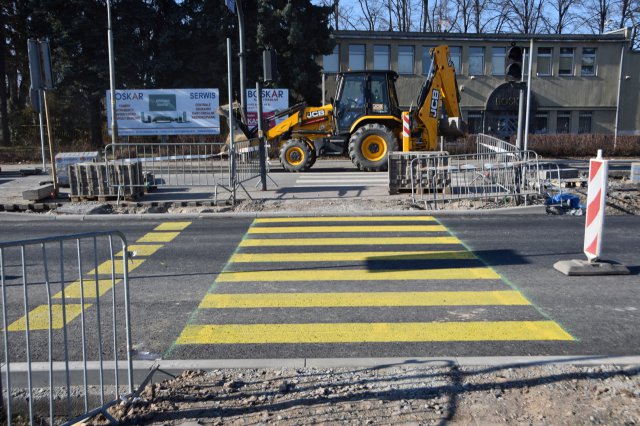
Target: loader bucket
{"x":241,"y":131}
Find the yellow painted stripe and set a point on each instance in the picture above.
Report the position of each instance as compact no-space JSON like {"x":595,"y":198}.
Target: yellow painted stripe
{"x":142,"y":249}
{"x":338,"y":300}
{"x":359,"y":275}
{"x":284,"y":242}
{"x":105,"y":267}
{"x":158,"y":237}
{"x":39,"y":317}
{"x":339,"y":229}
{"x":172,"y":226}
{"x":375,"y":332}
{"x":353,"y":256}
{"x":346,"y":219}
{"x":72,"y":291}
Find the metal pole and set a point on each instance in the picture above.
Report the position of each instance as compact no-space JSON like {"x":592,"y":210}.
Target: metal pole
{"x":526,"y":126}
{"x":615,"y":129}
{"x":232,"y":151}
{"x":112,"y":78}
{"x":40,"y":119}
{"x":324,"y":77}
{"x":53,"y":163}
{"x":520,"y":113}
{"x":243,"y":93}
{"x":261,"y":144}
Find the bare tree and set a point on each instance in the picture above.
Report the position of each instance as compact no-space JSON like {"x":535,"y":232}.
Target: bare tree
{"x":564,"y":17}
{"x":524,"y":16}
{"x":598,"y":15}
{"x":372,"y":14}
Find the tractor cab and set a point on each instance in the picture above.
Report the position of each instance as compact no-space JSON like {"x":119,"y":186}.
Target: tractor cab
{"x":364,"y":93}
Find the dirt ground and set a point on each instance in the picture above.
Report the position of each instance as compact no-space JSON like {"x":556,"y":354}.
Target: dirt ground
{"x":408,"y":394}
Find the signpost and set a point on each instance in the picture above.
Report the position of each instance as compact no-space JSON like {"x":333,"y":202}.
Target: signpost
{"x":166,"y":112}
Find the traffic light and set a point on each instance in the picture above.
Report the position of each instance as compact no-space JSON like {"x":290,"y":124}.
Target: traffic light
{"x":513,"y":64}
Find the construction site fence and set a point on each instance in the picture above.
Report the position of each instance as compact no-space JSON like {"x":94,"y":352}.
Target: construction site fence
{"x":247,"y":157}
{"x":489,"y":177}
{"x":188,"y":164}
{"x":66,"y":327}
{"x":173,"y":165}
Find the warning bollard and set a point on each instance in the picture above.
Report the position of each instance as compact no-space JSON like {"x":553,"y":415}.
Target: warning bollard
{"x":596,"y":198}
{"x":406,"y":132}
{"x":594,"y":227}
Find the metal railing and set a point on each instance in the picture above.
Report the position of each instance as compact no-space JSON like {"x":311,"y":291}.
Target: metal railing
{"x":56,"y":320}
{"x":486,"y":144}
{"x":173,"y":165}
{"x":247,"y":154}
{"x":486,"y":177}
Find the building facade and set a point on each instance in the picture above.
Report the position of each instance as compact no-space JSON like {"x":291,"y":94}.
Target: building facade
{"x":579,"y":83}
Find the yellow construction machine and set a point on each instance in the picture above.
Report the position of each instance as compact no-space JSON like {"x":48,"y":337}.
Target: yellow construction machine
{"x":365,"y":121}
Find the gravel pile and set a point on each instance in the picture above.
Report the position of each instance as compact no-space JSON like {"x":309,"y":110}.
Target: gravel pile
{"x":407,"y":394}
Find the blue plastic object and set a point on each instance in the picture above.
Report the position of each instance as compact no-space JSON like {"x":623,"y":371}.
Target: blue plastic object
{"x":572,"y":200}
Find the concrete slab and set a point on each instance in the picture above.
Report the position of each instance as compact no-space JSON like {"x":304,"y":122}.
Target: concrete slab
{"x":577,"y":267}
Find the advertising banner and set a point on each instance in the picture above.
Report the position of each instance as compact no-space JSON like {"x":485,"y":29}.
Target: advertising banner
{"x":273,"y":101}
{"x":166,"y":112}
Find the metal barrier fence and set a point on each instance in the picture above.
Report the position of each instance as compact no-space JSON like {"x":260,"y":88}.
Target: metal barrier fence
{"x":247,"y":154}
{"x":187,"y":165}
{"x":175,"y":164}
{"x":443,"y":178}
{"x":486,"y":144}
{"x":57,"y":321}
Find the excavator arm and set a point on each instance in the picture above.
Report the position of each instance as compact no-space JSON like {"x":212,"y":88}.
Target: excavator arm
{"x":439,"y":89}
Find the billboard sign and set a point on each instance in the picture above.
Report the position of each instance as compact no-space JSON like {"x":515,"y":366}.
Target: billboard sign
{"x":166,"y":112}
{"x":273,"y":101}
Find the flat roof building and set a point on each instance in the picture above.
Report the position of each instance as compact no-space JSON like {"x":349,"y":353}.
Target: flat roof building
{"x":579,"y":83}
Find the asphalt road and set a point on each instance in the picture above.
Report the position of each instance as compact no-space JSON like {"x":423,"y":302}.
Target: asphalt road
{"x":399,"y":287}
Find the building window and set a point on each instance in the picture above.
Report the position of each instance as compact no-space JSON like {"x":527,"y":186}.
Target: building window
{"x":564,"y":122}
{"x":476,"y":60}
{"x":331,"y":63}
{"x":545,"y":56}
{"x":381,"y":57}
{"x":588,"y":67}
{"x":584,"y":122}
{"x":426,"y":59}
{"x":566,"y":61}
{"x":405,"y":59}
{"x":356,"y":57}
{"x":474,"y":122}
{"x":455,"y":54}
{"x":541,"y":123}
{"x":497,"y":60}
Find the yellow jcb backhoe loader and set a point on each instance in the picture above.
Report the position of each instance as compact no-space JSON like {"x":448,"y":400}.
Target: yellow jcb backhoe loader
{"x":365,"y":121}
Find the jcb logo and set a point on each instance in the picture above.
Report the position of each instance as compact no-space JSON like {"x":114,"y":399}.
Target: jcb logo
{"x":315,"y":114}
{"x":435,"y":97}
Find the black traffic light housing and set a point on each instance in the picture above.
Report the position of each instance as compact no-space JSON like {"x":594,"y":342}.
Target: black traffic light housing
{"x":513,"y":64}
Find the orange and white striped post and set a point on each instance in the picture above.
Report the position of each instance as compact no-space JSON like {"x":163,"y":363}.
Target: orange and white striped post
{"x":596,"y":199}
{"x":406,"y":132}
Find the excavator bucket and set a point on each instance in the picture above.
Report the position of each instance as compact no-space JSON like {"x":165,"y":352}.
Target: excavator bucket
{"x":452,"y":128}
{"x":241,"y":131}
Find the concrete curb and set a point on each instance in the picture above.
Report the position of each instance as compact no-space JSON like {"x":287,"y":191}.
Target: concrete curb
{"x":163,"y":216}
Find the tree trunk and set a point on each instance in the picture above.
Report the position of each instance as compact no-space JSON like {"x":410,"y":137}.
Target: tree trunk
{"x":95,"y":125}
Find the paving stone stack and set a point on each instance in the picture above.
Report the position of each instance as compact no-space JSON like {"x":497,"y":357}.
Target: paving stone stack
{"x":96,"y":180}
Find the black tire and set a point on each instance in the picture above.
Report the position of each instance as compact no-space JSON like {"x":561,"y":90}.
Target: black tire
{"x":296,"y":156}
{"x":370,"y":145}
{"x":312,"y":160}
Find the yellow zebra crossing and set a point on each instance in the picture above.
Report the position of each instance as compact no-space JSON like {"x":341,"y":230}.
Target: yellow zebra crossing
{"x":356,"y":256}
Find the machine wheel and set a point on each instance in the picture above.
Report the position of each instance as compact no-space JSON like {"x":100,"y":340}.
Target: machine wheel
{"x":369,"y":147}
{"x":296,"y":156}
